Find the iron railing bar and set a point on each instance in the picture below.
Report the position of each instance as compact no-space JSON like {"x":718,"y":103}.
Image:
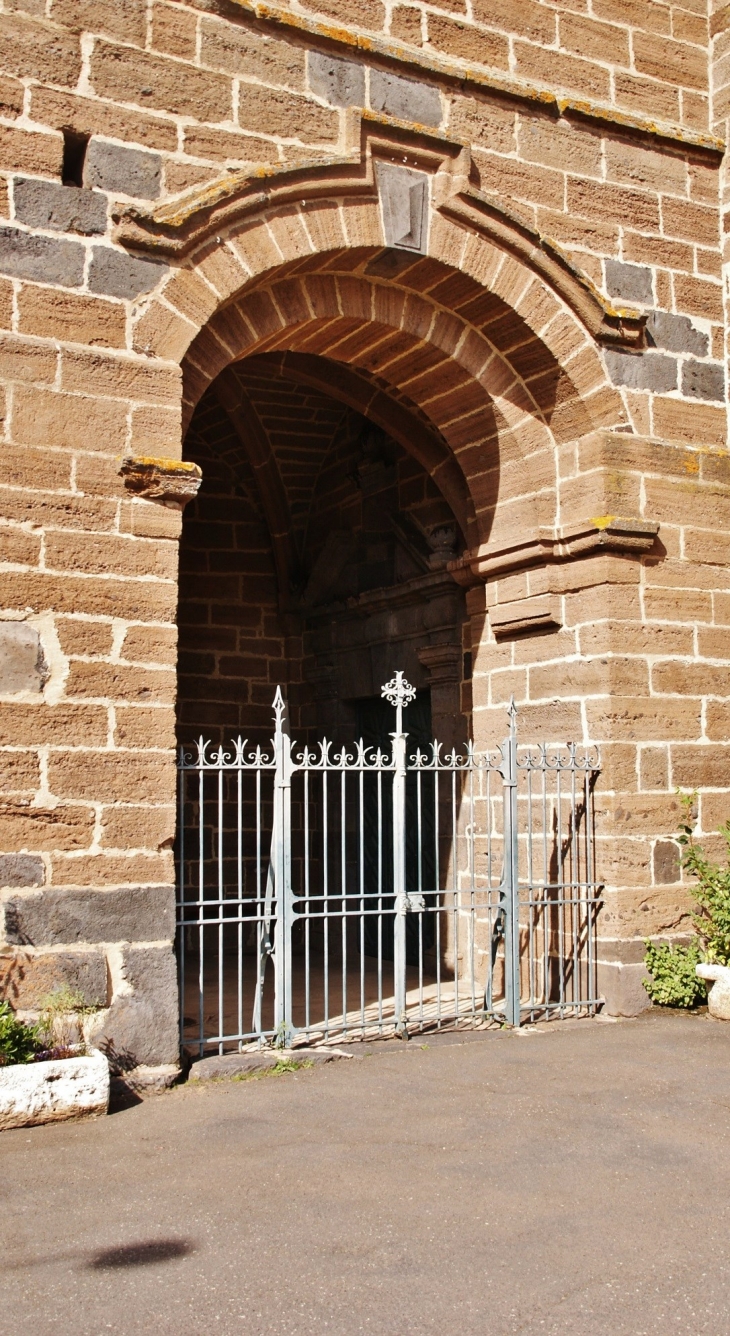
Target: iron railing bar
{"x":181,"y":876}
{"x":307,"y":924}
{"x":439,"y":898}
{"x":201,"y":892}
{"x":325,"y":888}
{"x":361,"y":870}
{"x":239,"y":861}
{"x":343,"y":883}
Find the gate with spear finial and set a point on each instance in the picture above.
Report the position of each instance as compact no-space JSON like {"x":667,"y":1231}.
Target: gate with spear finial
{"x":286,"y":916}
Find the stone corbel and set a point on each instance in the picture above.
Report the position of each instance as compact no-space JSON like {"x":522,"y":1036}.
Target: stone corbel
{"x":173,"y":482}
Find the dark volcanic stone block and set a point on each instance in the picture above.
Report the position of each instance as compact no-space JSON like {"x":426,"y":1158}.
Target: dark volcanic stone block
{"x":407,"y":99}
{"x":123,"y":171}
{"x":339,"y":82}
{"x":41,"y":259}
{"x":47,"y":204}
{"x":115,"y":274}
{"x":58,"y":917}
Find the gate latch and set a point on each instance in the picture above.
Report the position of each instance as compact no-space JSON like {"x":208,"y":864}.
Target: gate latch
{"x":410,"y":903}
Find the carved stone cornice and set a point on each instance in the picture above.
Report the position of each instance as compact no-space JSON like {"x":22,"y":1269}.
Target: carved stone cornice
{"x":579,"y":539}
{"x":460,"y":73}
{"x":419,"y":589}
{"x":171,"y":481}
{"x":202,"y":214}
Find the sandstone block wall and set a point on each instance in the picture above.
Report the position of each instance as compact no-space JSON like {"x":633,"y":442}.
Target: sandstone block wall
{"x":597,"y":125}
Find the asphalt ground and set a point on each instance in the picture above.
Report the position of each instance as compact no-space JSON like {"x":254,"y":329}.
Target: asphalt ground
{"x":572,"y":1179}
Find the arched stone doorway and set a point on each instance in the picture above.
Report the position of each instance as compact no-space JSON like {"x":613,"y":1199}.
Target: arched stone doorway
{"x":362,"y":445}
{"x":473,"y":350}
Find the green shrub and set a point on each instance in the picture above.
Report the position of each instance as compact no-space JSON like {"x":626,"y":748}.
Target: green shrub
{"x":674,"y":982}
{"x":711,"y":892}
{"x":18,"y":1042}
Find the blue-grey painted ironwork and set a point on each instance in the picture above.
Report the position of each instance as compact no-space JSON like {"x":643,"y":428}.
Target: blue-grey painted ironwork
{"x":342,"y":892}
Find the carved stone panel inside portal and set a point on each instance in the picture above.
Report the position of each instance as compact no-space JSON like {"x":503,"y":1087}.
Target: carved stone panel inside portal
{"x":404,"y":201}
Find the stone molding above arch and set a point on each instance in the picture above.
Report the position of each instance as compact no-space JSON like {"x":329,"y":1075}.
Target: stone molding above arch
{"x":183,"y":227}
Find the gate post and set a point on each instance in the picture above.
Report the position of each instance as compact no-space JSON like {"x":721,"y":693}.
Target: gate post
{"x":509,"y":889}
{"x":281,"y":860}
{"x":399,"y":880}
{"x":399,"y":693}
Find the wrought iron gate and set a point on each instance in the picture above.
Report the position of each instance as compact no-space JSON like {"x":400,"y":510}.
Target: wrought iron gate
{"x":305,"y":915}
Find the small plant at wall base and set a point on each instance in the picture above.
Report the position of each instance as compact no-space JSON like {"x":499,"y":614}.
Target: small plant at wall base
{"x":57,"y":1033}
{"x":674,"y":982}
{"x":18,"y":1042}
{"x":60,"y":1023}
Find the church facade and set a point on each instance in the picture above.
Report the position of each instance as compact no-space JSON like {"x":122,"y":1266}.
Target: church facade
{"x":340,"y":339}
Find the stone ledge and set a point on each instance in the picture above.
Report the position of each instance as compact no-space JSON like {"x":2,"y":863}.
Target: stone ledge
{"x":127,"y":1088}
{"x":49,"y":1092}
{"x":582,"y":538}
{"x":525,"y":614}
{"x":172,"y":481}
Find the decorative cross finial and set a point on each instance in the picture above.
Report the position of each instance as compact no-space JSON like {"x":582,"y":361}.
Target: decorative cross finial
{"x":399,"y":693}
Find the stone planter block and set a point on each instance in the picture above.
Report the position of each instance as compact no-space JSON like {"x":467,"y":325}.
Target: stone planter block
{"x":49,"y":1092}
{"x":718,"y":993}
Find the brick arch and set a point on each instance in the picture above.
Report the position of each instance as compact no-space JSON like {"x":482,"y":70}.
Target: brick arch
{"x":347,"y":233}
{"x":467,"y":336}
{"x":492,"y":428}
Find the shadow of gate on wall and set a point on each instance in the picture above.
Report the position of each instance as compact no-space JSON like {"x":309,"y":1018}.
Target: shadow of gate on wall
{"x":327,"y":894}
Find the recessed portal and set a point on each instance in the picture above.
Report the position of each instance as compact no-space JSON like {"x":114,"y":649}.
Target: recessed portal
{"x":315,"y":557}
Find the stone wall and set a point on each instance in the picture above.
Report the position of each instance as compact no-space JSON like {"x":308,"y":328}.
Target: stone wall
{"x":571,"y":285}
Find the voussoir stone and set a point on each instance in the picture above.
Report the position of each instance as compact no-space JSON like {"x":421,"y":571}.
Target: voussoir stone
{"x":64,"y":917}
{"x":112,"y":273}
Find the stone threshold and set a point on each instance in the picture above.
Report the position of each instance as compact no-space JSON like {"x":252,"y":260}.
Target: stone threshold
{"x":224,"y":1066}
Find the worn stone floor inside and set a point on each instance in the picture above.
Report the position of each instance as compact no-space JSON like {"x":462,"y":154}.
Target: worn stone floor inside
{"x":568,"y":1179}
